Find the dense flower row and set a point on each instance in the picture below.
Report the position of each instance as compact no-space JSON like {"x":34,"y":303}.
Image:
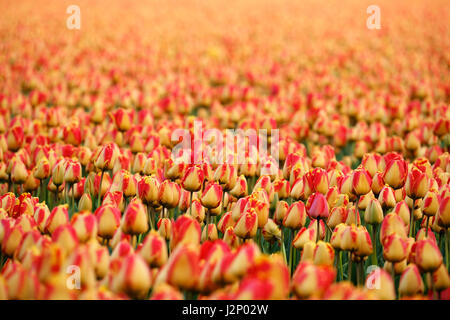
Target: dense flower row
{"x":97,"y":202}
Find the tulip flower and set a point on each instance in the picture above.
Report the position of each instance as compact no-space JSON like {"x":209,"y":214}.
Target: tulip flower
{"x":428,"y":257}
{"x":134,"y":220}
{"x":85,"y":225}
{"x":247,"y":224}
{"x":134,"y":277}
{"x":361,"y":181}
{"x":416,"y":183}
{"x":185,"y":230}
{"x":58,"y":216}
{"x":312,"y":281}
{"x":211,"y":196}
{"x":396,"y":171}
{"x":182,"y":269}
{"x":410,"y":281}
{"x":108,"y":220}
{"x":154,"y":250}
{"x":381,"y":283}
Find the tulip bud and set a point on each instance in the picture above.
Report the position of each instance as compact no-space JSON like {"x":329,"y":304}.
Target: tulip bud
{"x":247,"y":224}
{"x":169,"y":194}
{"x":150,"y":166}
{"x":108,"y":220}
{"x":374,"y":212}
{"x":197,"y":211}
{"x":428,"y":257}
{"x":173,"y":170}
{"x":123,"y":119}
{"x":193,"y":179}
{"x":15,"y":138}
{"x":58,"y":217}
{"x":31,"y":183}
{"x":148,"y":190}
{"x":364,"y":200}
{"x":134,"y":277}
{"x":154,"y":250}
{"x":298,"y":190}
{"x":395,"y":172}
{"x":19,"y":171}
{"x":377,"y":183}
{"x":361,"y":181}
{"x":353,"y":216}
{"x":323,"y":254}
{"x":58,"y":172}
{"x":295,"y":217}
{"x":225,"y":222}
{"x":443,"y":214}
{"x":85,"y":225}
{"x":230,"y":238}
{"x":402,"y":210}
{"x":349,"y":238}
{"x":310,"y":280}
{"x":336,"y":236}
{"x":416,"y":185}
{"x":135,"y":218}
{"x":269,"y":273}
{"x":317,"y":206}
{"x":364,"y":243}
{"x":271,"y":231}
{"x":164,"y":228}
{"x":66,"y":237}
{"x":182,"y":270}
{"x":394,"y":248}
{"x":11,"y":240}
{"x":209,"y":232}
{"x":41,"y":214}
{"x":430,"y":203}
{"x":441,"y":278}
{"x":85,"y":203}
{"x":280,"y":211}
{"x":72,"y":173}
{"x":281,"y":188}
{"x":410,"y":281}
{"x":42,"y":170}
{"x":240,"y":188}
{"x":381,"y":283}
{"x":106,"y":157}
{"x":185,"y":230}
{"x":128,"y":185}
{"x":338,"y":215}
{"x":332,"y":196}
{"x":211,"y":196}
{"x":386,"y":197}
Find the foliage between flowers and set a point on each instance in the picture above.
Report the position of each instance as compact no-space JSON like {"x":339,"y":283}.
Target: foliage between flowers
{"x":95,"y":203}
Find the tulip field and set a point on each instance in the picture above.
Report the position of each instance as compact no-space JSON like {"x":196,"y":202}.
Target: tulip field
{"x":224,"y":150}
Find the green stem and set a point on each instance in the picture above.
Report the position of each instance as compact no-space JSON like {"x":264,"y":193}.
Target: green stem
{"x":374,"y":244}
{"x":341,"y":269}
{"x":446,"y":248}
{"x":411,"y":219}
{"x":358,"y":274}
{"x":100,"y":190}
{"x":150,"y":222}
{"x":318,"y":230}
{"x":282,"y":246}
{"x":393,"y":272}
{"x":73,"y":196}
{"x":349,"y":272}
{"x":290,"y":251}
